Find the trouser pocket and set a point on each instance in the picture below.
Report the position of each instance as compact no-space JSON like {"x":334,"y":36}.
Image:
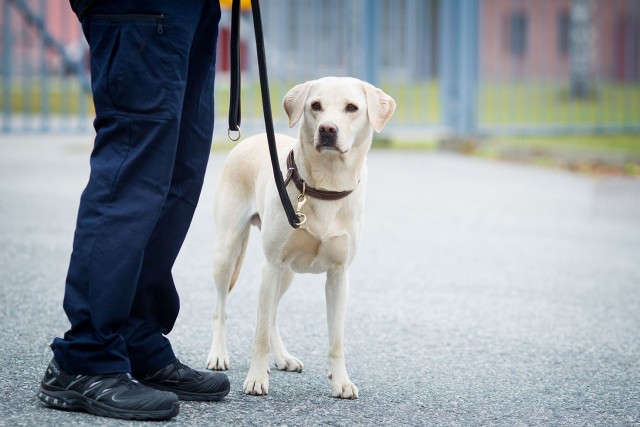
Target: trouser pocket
{"x":137,"y":63}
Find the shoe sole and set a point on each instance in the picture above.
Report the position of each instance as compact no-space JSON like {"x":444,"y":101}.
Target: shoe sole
{"x":185,"y":395}
{"x":68,"y":400}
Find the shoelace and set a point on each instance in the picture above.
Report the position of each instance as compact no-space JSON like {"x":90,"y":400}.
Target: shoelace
{"x":181,"y":369}
{"x":127,"y":379}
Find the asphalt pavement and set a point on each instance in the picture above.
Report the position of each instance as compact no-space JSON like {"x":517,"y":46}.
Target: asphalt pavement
{"x":484,"y":293}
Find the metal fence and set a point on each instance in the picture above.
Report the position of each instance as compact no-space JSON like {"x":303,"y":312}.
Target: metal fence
{"x":462,"y":67}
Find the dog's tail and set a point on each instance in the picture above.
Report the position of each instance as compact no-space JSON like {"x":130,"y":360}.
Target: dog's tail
{"x":240,"y":259}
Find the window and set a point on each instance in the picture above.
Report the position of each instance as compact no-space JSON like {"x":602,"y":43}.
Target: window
{"x":518,"y":34}
{"x":563,"y":33}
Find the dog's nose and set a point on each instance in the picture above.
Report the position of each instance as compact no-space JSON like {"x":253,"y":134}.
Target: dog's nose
{"x":328,"y":129}
{"x":327,"y":136}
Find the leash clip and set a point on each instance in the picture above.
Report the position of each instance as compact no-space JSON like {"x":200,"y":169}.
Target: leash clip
{"x":301,"y":200}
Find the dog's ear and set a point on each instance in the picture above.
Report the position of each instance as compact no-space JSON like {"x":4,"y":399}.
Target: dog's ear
{"x":293,"y":102}
{"x":379,"y":105}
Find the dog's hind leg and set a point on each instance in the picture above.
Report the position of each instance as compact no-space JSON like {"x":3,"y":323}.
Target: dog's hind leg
{"x":229,"y":254}
{"x":283,"y":359}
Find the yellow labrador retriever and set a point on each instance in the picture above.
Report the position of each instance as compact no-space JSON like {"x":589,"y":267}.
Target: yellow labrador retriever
{"x":326,"y":180}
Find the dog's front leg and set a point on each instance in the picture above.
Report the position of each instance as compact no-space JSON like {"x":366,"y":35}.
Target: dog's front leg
{"x":283,"y":359}
{"x":336,"y":290}
{"x":257,"y":381}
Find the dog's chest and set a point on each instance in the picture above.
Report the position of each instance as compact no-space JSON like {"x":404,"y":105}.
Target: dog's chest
{"x":309,"y":254}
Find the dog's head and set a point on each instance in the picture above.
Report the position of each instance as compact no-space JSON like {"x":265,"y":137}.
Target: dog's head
{"x":337,"y":113}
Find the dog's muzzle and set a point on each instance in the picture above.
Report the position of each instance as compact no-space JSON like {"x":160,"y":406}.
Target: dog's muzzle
{"x":327,"y":136}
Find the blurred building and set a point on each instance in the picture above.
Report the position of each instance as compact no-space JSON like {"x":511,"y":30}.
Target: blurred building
{"x":531,"y":39}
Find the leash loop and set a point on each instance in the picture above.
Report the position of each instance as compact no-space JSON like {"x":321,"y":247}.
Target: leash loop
{"x":233,"y":137}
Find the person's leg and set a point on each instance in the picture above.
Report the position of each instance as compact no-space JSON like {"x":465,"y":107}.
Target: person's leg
{"x":139,"y":64}
{"x":156,"y":302}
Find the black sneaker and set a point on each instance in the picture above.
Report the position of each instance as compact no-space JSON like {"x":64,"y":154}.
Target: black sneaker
{"x":188,"y":383}
{"x":115,"y":395}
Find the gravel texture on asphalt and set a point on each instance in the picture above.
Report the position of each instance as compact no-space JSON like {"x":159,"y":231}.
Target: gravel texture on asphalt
{"x":484,"y":293}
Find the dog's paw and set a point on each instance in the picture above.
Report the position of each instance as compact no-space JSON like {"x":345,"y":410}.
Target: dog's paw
{"x":218,"y":361}
{"x":289,"y":363}
{"x":343,"y":389}
{"x":256,"y":385}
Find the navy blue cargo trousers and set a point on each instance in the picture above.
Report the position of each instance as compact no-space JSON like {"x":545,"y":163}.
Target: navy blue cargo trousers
{"x":152,"y":76}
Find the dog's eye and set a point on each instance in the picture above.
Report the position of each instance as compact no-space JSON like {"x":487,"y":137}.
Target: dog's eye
{"x":350,"y":108}
{"x":316,"y":106}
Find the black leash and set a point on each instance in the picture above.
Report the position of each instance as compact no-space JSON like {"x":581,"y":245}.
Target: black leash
{"x":234,"y":105}
{"x":234,"y":102}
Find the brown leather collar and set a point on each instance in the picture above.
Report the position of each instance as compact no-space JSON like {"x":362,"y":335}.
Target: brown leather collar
{"x":292,"y":173}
